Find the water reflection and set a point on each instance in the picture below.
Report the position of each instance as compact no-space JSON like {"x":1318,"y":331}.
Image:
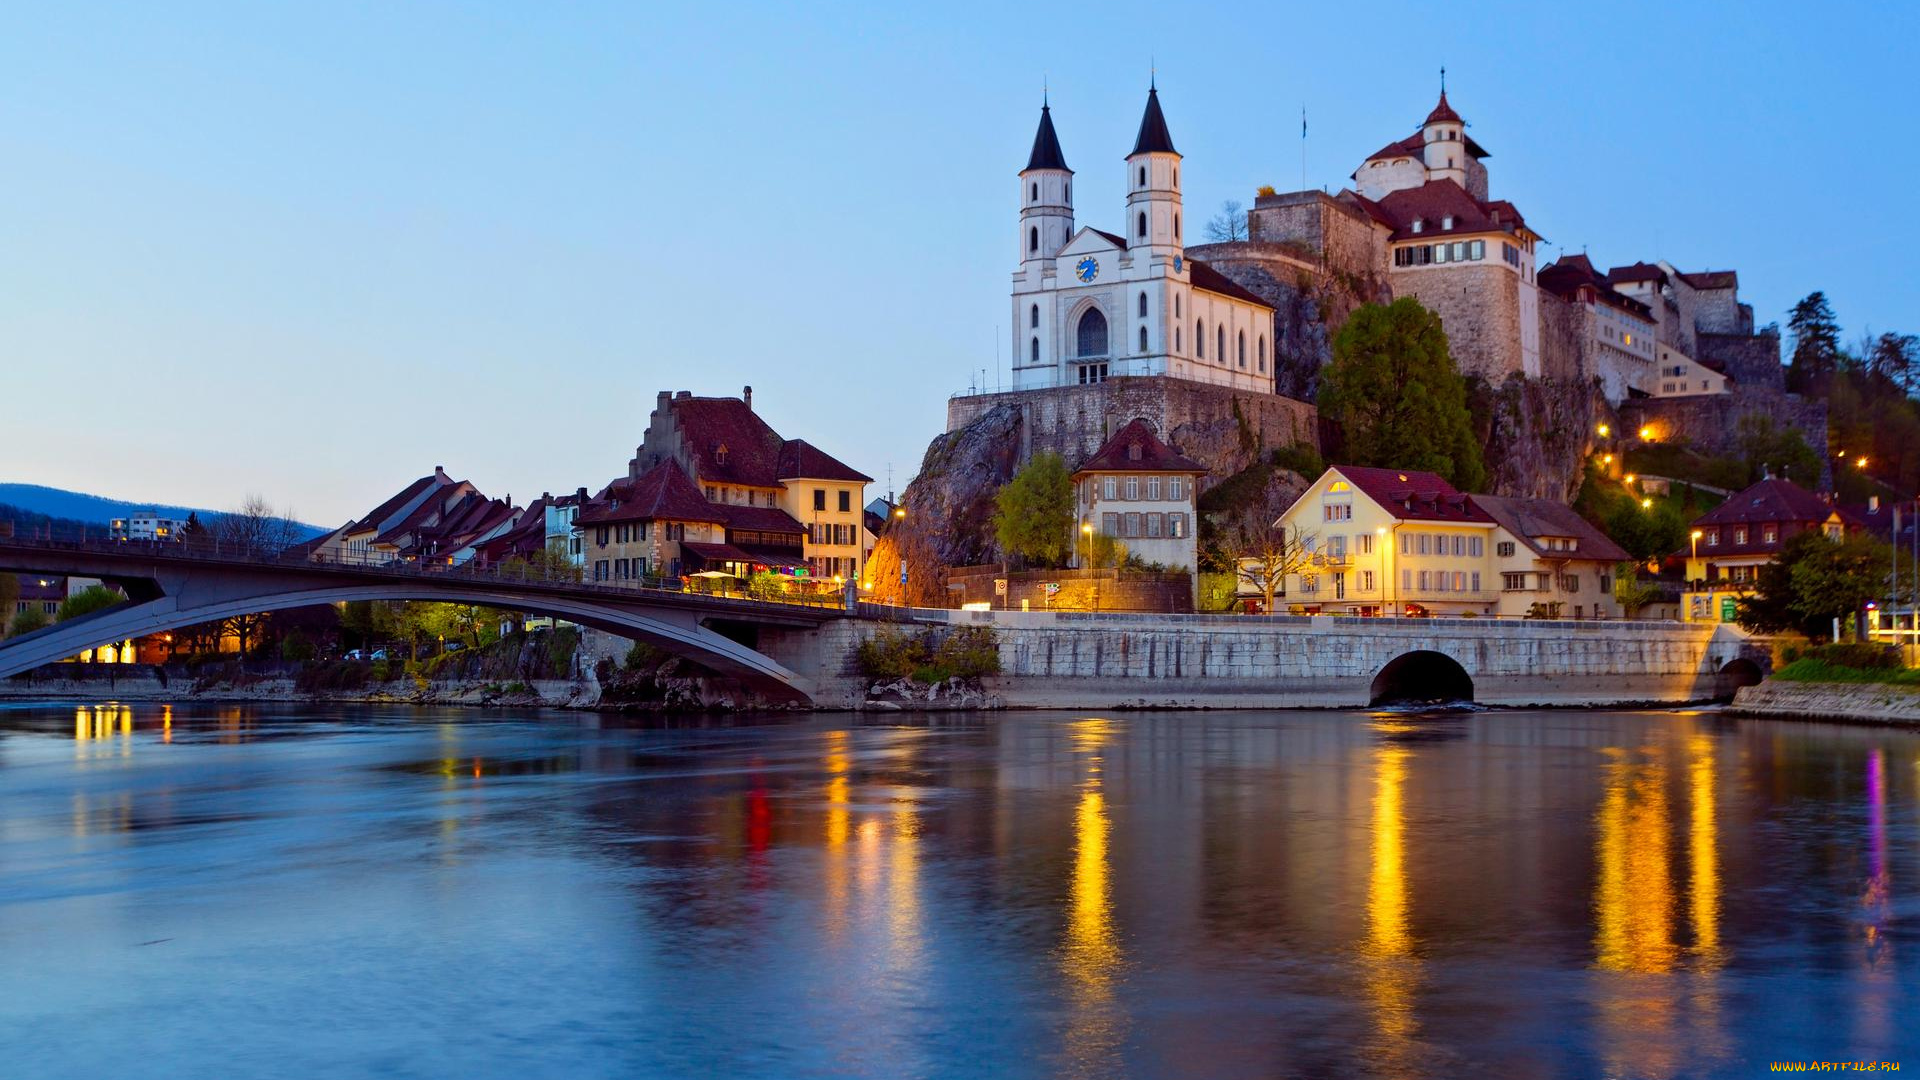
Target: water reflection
{"x":1390,"y":970}
{"x":1091,"y":956}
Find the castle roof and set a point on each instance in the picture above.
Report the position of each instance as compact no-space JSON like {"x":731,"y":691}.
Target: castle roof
{"x":1135,"y":448}
{"x":1443,"y":113}
{"x":1640,"y":271}
{"x":1572,"y":277}
{"x":1154,"y":137}
{"x":1046,"y":146}
{"x":1713,"y":279}
{"x":1432,"y":203}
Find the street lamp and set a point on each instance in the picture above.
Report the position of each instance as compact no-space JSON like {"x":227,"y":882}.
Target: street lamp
{"x":1646,"y":434}
{"x":1695,"y":537}
{"x":1860,"y":462}
{"x":1646,"y":504}
{"x":1605,"y":431}
{"x":1386,"y":549}
{"x":1086,"y":530}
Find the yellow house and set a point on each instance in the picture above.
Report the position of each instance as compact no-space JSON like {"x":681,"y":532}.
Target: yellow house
{"x":1407,"y":543}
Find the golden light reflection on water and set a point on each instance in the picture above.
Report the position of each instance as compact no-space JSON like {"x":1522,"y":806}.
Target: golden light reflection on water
{"x":1633,"y":901}
{"x":103,"y":731}
{"x":839,"y":826}
{"x":1091,"y":956}
{"x":1390,"y":971}
{"x":1703,"y":853}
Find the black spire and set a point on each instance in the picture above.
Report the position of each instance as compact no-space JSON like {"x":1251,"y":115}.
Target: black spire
{"x":1046,"y":146}
{"x":1153,"y":137}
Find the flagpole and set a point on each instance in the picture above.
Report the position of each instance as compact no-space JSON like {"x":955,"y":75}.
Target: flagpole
{"x":1303,"y":147}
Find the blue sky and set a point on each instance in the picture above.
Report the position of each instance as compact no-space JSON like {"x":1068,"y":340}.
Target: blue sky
{"x":312,"y":250}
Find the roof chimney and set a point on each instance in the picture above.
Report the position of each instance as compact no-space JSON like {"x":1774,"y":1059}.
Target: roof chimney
{"x":581,"y":494}
{"x":746,"y":394}
{"x":440,"y":471}
{"x":684,"y":394}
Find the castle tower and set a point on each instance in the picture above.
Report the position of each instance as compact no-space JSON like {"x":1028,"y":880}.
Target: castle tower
{"x":1153,"y":187}
{"x":1446,"y":149}
{"x":1046,"y":196}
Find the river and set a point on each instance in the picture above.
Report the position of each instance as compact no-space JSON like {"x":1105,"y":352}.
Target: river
{"x":215,"y":891}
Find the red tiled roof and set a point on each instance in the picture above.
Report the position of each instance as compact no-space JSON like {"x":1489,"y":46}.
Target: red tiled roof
{"x":1210,"y":280}
{"x":728,"y":441}
{"x":392,"y":506}
{"x":1768,"y":500}
{"x":759,"y":518}
{"x":1433,"y":202}
{"x":1713,"y":279}
{"x":1411,"y":146}
{"x":1531,"y":519}
{"x":1117,"y":454}
{"x":1443,"y":112}
{"x":430,"y":511}
{"x":801,"y":460}
{"x":1567,"y":275}
{"x":1412,"y":495}
{"x":661,"y":493}
{"x":1640,"y":271}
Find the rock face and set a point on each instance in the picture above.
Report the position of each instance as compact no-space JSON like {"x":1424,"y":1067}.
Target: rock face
{"x":1537,"y":434}
{"x":949,"y":509}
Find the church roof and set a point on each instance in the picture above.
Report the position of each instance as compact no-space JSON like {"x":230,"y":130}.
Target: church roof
{"x":1443,"y":113}
{"x":1409,"y":146}
{"x":1154,"y":137}
{"x":1210,"y":280}
{"x":1046,"y":146}
{"x":1135,"y":448}
{"x":1118,"y":241}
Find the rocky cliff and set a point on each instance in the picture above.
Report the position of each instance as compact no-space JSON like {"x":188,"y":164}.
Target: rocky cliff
{"x":1536,"y":434}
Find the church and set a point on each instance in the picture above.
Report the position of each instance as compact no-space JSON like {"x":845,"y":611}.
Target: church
{"x":1090,"y":305}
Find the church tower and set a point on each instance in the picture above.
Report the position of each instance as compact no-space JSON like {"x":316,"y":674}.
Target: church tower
{"x":1153,"y":186}
{"x":1046,"y":196}
{"x":1446,"y":150}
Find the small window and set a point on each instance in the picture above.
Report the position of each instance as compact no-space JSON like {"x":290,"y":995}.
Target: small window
{"x":1143,"y":339}
{"x":1034,"y":193}
{"x":1176,"y":183}
{"x":1200,"y":339}
{"x":1241,"y":344}
{"x":1176,"y":226}
{"x":1143,"y":305}
{"x":1033,"y":351}
{"x":1143,"y":177}
{"x":1033,"y":317}
{"x":1176,"y":305}
{"x":1033,"y":238}
{"x":1220,"y":340}
{"x":1140,"y":230}
{"x":820,"y":494}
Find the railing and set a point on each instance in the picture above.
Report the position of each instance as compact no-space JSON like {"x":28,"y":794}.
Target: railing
{"x":233,"y":552}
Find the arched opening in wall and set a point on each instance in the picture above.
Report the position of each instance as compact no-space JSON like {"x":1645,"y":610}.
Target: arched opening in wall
{"x":1737,"y":673}
{"x":1033,"y":239}
{"x":1143,"y":339}
{"x":1033,"y":317}
{"x":1421,"y":677}
{"x":1141,"y":230}
{"x":1091,"y":336}
{"x":1033,"y":351}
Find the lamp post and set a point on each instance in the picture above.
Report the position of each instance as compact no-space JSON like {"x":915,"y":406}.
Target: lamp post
{"x":1695,"y":537}
{"x":1086,"y":530}
{"x":1385,"y":571}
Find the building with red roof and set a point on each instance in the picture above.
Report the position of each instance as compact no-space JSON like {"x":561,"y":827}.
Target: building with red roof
{"x":1138,"y":490}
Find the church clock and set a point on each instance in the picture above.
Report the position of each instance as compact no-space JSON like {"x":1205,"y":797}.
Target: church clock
{"x":1087,"y":269}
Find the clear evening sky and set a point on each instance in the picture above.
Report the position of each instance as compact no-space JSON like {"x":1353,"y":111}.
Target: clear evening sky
{"x":312,"y":250}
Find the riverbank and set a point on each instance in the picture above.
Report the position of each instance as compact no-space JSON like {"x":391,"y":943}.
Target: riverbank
{"x":1854,"y":703}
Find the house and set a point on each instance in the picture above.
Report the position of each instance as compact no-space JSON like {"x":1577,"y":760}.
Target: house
{"x":434,"y":519}
{"x":1406,"y":542}
{"x":734,"y":458}
{"x":653,"y":526}
{"x":1730,"y":543}
{"x":1139,"y":491}
{"x":147,"y":525}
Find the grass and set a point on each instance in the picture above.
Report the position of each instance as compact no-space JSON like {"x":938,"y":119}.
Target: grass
{"x":1811,"y":669}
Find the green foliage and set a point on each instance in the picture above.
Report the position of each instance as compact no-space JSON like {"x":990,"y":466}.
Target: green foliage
{"x":87,"y":601}
{"x":1033,"y":513}
{"x":26,"y":622}
{"x":1300,"y":458}
{"x":1632,"y":593}
{"x":1547,"y":609}
{"x":1646,"y":532}
{"x":969,"y":652}
{"x":1680,"y":461}
{"x":1853,"y":654}
{"x":550,"y":563}
{"x":295,"y":648}
{"x":892,"y":653}
{"x":644,"y":657}
{"x":1218,"y":591}
{"x":9,"y":594}
{"x":1766,"y":447}
{"x":1398,"y":397}
{"x":1816,"y":345}
{"x":1813,"y":581}
{"x":333,"y":675}
{"x":562,"y":641}
{"x":1814,"y":669}
{"x":1105,"y":552}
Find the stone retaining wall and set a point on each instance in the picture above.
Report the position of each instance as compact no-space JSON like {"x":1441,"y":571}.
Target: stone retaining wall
{"x":1866,"y":703}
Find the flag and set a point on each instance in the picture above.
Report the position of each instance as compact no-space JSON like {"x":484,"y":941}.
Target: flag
{"x":1303,"y":121}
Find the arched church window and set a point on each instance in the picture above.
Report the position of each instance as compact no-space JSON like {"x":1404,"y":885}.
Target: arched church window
{"x":1033,"y":238}
{"x":1200,"y":339}
{"x":1033,"y":317}
{"x":1240,"y":348}
{"x":1140,"y":230}
{"x":1143,"y":305}
{"x":1176,"y":305}
{"x":1091,"y":336}
{"x":1263,"y":352}
{"x":1034,"y":193}
{"x":1220,"y":339}
{"x":1176,"y":339}
{"x":1143,"y":339}
{"x":1176,"y":176}
{"x":1143,"y":177}
{"x":1176,"y":226}
{"x":1033,"y":350}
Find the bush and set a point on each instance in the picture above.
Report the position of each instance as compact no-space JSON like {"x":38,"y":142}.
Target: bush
{"x":1813,"y":669}
{"x":893,"y":653}
{"x":1856,"y":655}
{"x":969,"y":652}
{"x":1300,"y":458}
{"x":296,"y":649}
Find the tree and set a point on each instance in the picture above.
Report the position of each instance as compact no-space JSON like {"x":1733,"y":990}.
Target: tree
{"x":1033,"y":512}
{"x":1105,"y":552}
{"x":9,"y":593}
{"x":1896,"y":359}
{"x":255,"y":528}
{"x":87,"y":601}
{"x":1229,"y":224}
{"x":1782,"y":451}
{"x":26,"y":622}
{"x":1397,"y":396}
{"x":1264,"y":557}
{"x":246,"y":629}
{"x":1813,"y":581}
{"x":1632,"y":593}
{"x":550,"y":563}
{"x":1816,"y":345}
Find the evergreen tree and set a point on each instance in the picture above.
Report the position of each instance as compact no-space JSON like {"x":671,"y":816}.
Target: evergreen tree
{"x":1400,"y":401}
{"x":1816,"y":344}
{"x":1033,"y":513}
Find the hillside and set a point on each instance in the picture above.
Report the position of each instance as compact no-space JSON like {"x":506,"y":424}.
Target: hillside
{"x":24,"y":503}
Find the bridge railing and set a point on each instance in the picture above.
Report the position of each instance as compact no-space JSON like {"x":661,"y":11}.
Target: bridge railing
{"x":509,"y":572}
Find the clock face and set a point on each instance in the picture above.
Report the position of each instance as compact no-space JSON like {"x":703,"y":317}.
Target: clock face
{"x":1087,"y":269}
{"x":1177,"y":263}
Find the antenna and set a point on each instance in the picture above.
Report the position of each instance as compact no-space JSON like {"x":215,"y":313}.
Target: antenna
{"x":1303,"y":146}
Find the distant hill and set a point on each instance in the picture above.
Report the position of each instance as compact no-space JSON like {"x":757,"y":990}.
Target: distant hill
{"x":32,"y":501}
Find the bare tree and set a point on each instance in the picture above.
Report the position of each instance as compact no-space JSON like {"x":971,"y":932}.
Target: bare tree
{"x":256,"y":528}
{"x":1229,"y":224}
{"x":1263,"y":557}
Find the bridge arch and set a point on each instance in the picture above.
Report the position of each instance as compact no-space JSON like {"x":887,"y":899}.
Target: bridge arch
{"x":1736,"y":673}
{"x":681,"y":633}
{"x":1421,"y":675}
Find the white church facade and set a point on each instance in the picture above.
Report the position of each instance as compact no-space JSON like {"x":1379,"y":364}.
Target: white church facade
{"x":1090,"y":305}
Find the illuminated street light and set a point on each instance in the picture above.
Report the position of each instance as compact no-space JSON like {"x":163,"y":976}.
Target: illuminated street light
{"x":1860,"y":462}
{"x":1605,"y":431}
{"x":1646,"y":504}
{"x":1646,"y":434}
{"x":899,"y":511}
{"x":1606,"y":459}
{"x":1696,"y":543}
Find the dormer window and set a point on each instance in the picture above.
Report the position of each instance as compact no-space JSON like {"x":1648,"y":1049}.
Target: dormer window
{"x":1447,"y":222}
{"x":720,"y":454}
{"x":1133,"y":451}
{"x":1418,"y":224}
